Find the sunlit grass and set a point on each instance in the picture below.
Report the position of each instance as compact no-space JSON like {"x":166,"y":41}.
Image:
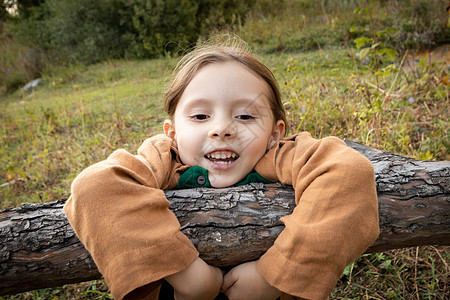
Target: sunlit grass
{"x":51,"y":134}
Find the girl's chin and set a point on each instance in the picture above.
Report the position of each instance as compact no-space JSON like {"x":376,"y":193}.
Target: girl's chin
{"x":221,"y":181}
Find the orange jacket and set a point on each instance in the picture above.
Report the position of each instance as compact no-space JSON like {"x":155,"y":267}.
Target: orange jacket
{"x":119,"y":212}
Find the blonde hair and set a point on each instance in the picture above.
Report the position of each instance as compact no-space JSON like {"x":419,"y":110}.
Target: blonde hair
{"x":232,"y":49}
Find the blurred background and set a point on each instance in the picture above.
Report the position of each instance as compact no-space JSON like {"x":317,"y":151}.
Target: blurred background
{"x":80,"y":79}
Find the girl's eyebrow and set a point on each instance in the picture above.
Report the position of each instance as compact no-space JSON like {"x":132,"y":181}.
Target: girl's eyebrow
{"x":197,"y":101}
{"x":239,"y":101}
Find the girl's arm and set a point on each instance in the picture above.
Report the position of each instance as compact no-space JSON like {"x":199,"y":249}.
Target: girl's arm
{"x":336,"y":218}
{"x":120,"y":213}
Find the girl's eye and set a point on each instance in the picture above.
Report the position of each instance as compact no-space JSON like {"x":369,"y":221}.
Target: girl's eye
{"x":200,"y":117}
{"x":245,"y":117}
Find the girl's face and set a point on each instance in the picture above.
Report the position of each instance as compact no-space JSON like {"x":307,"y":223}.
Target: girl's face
{"x":223,"y":122}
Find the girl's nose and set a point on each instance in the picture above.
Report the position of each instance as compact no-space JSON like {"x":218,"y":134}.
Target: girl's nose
{"x":223,"y":130}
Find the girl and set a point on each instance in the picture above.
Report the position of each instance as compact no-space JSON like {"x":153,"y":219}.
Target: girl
{"x":226,"y":125}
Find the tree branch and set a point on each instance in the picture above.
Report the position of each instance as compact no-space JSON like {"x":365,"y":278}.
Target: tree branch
{"x":228,"y":226}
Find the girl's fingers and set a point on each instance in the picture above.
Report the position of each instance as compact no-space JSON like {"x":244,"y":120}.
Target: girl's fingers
{"x":228,"y":280}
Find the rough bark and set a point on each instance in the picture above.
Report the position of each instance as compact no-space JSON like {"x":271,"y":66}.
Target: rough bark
{"x":228,"y":226}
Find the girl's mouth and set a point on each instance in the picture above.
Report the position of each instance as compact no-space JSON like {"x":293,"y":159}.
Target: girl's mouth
{"x":222,"y":158}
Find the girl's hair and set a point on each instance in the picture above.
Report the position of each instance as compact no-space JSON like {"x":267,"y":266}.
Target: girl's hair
{"x":231,"y":50}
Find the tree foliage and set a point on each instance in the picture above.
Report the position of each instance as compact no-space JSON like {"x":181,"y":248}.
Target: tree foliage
{"x":91,"y":31}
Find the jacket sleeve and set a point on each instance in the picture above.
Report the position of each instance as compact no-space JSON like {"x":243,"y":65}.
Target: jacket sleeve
{"x":335,"y":220}
{"x":119,"y":211}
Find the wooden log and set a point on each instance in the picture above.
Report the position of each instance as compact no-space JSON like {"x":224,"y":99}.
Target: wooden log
{"x":228,"y":226}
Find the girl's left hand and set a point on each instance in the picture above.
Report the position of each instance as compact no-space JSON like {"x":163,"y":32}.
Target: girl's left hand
{"x":245,"y":282}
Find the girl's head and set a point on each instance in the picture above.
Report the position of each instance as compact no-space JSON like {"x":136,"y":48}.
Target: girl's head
{"x":225,"y":112}
{"x":229,"y":51}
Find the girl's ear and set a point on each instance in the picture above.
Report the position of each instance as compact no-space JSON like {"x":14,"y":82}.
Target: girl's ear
{"x":169,"y":129}
{"x":277,"y":133}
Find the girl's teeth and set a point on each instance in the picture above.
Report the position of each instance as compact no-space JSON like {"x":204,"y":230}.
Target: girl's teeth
{"x":222,"y":155}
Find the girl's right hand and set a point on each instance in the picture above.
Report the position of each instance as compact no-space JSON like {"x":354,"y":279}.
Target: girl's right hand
{"x":198,"y":281}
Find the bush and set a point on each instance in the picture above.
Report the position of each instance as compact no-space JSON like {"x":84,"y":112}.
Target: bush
{"x":418,"y":24}
{"x":91,"y":31}
{"x":157,"y":27}
{"x":421,"y":23}
{"x":72,"y":30}
{"x":20,"y":64}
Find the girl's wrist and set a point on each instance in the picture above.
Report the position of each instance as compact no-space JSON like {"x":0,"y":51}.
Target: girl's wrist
{"x":198,"y":281}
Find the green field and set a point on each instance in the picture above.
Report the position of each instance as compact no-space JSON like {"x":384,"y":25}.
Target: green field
{"x":81,"y":114}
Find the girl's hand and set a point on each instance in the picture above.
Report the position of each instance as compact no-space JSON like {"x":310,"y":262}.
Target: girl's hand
{"x":245,"y":282}
{"x":198,"y":281}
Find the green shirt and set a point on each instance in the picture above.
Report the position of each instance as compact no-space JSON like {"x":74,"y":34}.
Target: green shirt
{"x":198,"y":177}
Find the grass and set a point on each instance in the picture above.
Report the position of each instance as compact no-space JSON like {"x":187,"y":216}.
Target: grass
{"x":19,"y":64}
{"x":82,"y":113}
{"x":79,"y":117}
{"x":410,"y":273}
{"x":293,"y":31}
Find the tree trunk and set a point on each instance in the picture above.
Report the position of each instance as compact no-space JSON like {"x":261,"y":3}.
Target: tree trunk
{"x":228,"y":226}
